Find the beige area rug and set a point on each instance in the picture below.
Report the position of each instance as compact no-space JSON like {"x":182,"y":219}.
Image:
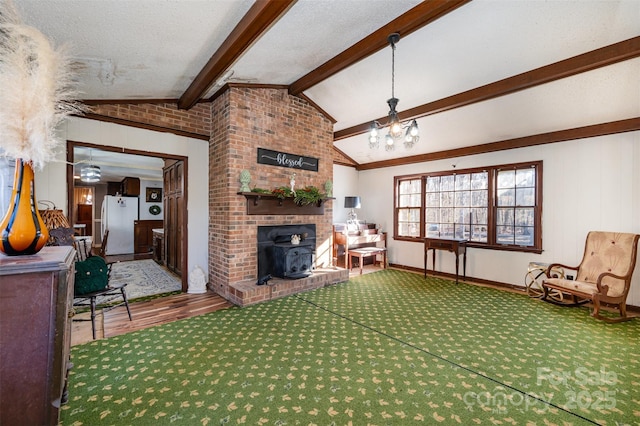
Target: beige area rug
{"x":143,"y":278}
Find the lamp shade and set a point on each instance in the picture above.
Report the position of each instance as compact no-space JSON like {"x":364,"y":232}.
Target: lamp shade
{"x":352,"y":202}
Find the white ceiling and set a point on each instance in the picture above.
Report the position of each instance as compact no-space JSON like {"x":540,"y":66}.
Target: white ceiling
{"x":153,"y":49}
{"x":114,"y":166}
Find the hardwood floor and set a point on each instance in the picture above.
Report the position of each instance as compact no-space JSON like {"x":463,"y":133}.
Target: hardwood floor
{"x":155,"y":312}
{"x":161,"y":311}
{"x":147,"y":314}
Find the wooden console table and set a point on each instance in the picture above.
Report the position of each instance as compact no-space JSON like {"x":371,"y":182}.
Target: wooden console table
{"x":457,"y":246}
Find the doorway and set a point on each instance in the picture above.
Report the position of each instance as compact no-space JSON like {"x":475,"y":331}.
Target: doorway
{"x":83,"y":211}
{"x":116,"y":163}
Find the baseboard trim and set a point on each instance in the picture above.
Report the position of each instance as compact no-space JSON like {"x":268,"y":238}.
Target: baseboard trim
{"x":480,"y":281}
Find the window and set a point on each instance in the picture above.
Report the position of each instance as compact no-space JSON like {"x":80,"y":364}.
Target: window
{"x":493,"y":207}
{"x":409,"y":204}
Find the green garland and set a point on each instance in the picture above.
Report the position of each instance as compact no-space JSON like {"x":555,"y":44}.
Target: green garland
{"x":302,"y":197}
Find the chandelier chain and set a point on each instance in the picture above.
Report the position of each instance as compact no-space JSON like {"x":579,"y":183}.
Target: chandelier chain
{"x":393,"y":69}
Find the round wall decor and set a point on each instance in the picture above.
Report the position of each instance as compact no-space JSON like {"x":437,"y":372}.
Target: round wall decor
{"x":155,"y":209}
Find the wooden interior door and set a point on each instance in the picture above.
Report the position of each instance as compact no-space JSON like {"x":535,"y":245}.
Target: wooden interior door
{"x":173,"y":207}
{"x":85,"y":217}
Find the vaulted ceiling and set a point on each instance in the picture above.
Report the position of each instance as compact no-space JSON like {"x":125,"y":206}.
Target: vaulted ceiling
{"x":477,"y":75}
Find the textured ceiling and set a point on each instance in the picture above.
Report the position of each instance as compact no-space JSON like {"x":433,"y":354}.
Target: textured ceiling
{"x":153,"y":49}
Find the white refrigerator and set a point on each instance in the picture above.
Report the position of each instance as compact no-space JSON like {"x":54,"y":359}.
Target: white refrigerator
{"x":118,"y":216}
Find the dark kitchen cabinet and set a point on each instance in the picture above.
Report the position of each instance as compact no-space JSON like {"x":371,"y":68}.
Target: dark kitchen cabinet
{"x":131,"y":187}
{"x":143,"y":234}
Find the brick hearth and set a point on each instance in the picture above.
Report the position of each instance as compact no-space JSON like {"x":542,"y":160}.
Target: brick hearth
{"x":244,"y":293}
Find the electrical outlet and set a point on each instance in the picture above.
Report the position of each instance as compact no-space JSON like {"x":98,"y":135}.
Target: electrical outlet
{"x":570,"y":277}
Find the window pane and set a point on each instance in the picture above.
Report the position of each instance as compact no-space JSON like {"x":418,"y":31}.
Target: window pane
{"x":524,"y":236}
{"x":446,"y":231}
{"x":403,"y":215}
{"x":433,"y":230}
{"x":463,"y":182}
{"x":446,"y":199}
{"x":505,"y":235}
{"x":506,"y":179}
{"x":506,"y":197}
{"x":479,"y":216}
{"x":462,"y":215}
{"x":405,"y":201}
{"x":525,"y":196}
{"x":504,"y":217}
{"x":416,"y":186}
{"x":524,"y":217}
{"x":414,"y":215}
{"x":525,"y":177}
{"x":433,"y":199}
{"x":479,"y":198}
{"x":480,"y":180}
{"x":432,"y":215}
{"x":447,"y":183}
{"x":446,"y":215}
{"x":403,"y":228}
{"x":404,"y":187}
{"x":433,"y":184}
{"x":461,"y":231}
{"x":415,"y":200}
{"x":462,"y":198}
{"x":479,"y":234}
{"x":414,"y":230}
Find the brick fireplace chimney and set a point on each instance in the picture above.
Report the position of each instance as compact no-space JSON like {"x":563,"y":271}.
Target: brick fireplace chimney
{"x":245,"y":118}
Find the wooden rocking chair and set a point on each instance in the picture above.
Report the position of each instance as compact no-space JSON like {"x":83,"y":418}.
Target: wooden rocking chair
{"x":603,"y":276}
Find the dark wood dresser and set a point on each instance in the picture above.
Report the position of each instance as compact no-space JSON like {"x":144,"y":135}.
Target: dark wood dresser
{"x":36,"y":294}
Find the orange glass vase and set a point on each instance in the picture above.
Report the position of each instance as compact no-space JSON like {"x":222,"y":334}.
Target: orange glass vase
{"x":23,"y":230}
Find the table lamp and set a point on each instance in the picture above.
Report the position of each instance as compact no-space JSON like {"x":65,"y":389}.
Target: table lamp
{"x":352,"y":203}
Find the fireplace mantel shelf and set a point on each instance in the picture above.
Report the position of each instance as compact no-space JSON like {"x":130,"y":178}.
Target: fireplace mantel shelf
{"x":268,"y":204}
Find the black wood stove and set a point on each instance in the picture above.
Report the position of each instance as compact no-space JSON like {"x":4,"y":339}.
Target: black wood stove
{"x":279,"y":257}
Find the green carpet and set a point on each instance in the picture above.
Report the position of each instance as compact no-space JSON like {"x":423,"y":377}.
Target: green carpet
{"x":386,"y":348}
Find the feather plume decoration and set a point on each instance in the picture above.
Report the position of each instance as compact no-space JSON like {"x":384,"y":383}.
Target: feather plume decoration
{"x":36,"y":90}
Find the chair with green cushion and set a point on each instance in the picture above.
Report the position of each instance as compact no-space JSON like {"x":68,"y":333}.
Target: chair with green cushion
{"x":91,"y":281}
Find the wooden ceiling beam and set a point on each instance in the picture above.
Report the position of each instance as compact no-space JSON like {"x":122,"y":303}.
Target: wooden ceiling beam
{"x":260,"y":17}
{"x":412,"y":20}
{"x":602,"y":129}
{"x":604,"y":56}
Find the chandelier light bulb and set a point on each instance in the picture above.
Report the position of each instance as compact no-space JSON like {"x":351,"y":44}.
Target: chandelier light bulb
{"x":413,"y":130}
{"x":395,"y":130}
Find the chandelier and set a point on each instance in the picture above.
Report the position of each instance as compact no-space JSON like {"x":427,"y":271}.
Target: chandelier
{"x":90,"y":173}
{"x":396,"y":127}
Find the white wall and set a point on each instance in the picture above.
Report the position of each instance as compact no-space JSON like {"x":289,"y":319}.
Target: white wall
{"x":51,"y":182}
{"x":589,"y":184}
{"x":144,"y":205}
{"x":345,"y":184}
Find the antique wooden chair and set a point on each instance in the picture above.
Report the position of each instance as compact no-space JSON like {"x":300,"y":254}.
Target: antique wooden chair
{"x":92,"y":281}
{"x":603,"y":276}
